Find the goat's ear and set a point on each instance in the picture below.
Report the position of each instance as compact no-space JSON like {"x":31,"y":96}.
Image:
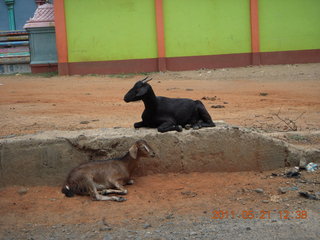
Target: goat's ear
{"x":133,"y":151}
{"x":142,"y":91}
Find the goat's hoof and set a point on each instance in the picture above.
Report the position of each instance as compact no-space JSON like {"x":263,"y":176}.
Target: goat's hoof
{"x":104,"y":192}
{"x":196,"y":127}
{"x":187,"y":127}
{"x":130,"y":182}
{"x":179,"y":128}
{"x":121,"y":199}
{"x":123,"y":193}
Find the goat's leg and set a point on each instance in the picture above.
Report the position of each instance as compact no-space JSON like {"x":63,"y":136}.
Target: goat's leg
{"x":99,"y":197}
{"x":96,"y":196}
{"x":197,"y":125}
{"x":168,"y":126}
{"x":116,"y":191}
{"x":139,"y":124}
{"x":119,"y":190}
{"x":204,"y":116}
{"x":113,"y":191}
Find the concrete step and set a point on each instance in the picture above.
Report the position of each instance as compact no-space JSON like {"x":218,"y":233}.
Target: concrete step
{"x":47,"y":157}
{"x":15,"y":68}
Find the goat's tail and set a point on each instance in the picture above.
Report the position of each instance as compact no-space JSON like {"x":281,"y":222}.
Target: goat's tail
{"x":67,"y":191}
{"x":204,"y":115}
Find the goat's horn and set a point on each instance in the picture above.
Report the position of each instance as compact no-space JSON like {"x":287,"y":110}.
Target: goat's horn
{"x":147,"y":79}
{"x":144,"y":79}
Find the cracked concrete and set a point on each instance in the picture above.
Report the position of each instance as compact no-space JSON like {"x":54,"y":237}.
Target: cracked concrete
{"x":46,"y":158}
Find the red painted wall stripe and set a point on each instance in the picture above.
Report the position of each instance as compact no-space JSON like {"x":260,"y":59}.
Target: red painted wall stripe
{"x":160,"y":28}
{"x":254,"y":19}
{"x":61,"y":35}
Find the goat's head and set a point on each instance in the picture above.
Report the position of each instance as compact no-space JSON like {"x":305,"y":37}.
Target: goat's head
{"x":141,"y":149}
{"x":139,"y":90}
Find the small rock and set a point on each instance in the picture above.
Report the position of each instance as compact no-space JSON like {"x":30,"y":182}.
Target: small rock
{"x":309,"y":195}
{"x":259,"y":190}
{"x":263,"y":94}
{"x":189,"y":194}
{"x":265,"y":201}
{"x":168,"y":89}
{"x":248,"y":228}
{"x":23,"y":191}
{"x":293,"y":174}
{"x":105,"y":228}
{"x":275,"y":198}
{"x":193,"y":233}
{"x":293,"y":188}
{"x":217,"y":106}
{"x":302,"y":181}
{"x":189,"y":89}
{"x":147,"y":225}
{"x":209,"y":98}
{"x":84,"y":122}
{"x":282,"y":190}
{"x":107,"y":237}
{"x":169,"y":216}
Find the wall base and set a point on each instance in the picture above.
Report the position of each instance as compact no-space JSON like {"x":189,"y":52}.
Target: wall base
{"x":190,"y":62}
{"x":44,"y":68}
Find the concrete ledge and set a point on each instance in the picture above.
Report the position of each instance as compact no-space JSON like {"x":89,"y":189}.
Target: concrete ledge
{"x":46,"y":158}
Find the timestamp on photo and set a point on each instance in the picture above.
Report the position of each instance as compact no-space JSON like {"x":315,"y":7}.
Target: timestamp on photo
{"x":259,"y":214}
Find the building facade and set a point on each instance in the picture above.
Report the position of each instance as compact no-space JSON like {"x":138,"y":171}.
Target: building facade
{"x":125,"y":36}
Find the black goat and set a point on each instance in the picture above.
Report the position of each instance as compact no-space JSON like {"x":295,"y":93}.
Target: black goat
{"x":168,"y":114}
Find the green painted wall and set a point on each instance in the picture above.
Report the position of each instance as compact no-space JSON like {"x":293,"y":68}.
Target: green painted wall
{"x":206,"y":27}
{"x":289,"y":25}
{"x":102,"y":30}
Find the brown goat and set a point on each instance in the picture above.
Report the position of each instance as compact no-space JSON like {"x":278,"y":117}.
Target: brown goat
{"x":99,"y":178}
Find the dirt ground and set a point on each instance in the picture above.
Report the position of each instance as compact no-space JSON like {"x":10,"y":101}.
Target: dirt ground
{"x":170,"y":206}
{"x":266,"y":98}
{"x":254,"y":97}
